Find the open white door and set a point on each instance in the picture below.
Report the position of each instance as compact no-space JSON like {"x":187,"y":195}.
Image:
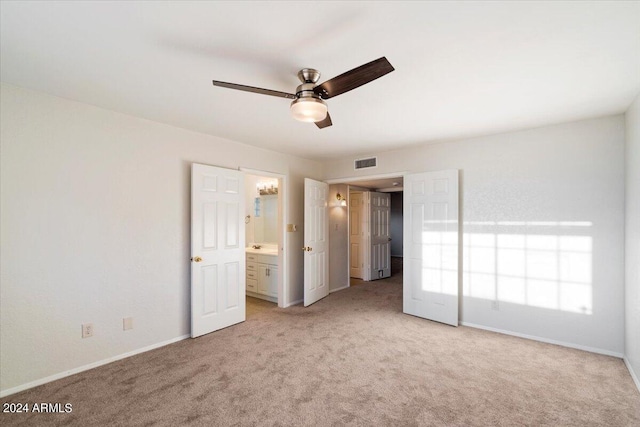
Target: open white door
{"x":217,"y":249}
{"x":430,"y":287}
{"x":380,"y":241}
{"x":316,"y":241}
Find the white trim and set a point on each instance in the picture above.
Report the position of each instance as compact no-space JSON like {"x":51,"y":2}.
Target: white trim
{"x":349,"y":179}
{"x":74,"y":371}
{"x":634,"y":377}
{"x":261,"y":172}
{"x":546,"y":340}
{"x":294,"y":303}
{"x":339,"y":289}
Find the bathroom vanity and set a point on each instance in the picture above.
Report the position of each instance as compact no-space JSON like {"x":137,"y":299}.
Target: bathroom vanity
{"x":262,"y":273}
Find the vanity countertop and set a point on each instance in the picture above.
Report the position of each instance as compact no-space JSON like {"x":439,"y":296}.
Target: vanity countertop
{"x":264,"y":250}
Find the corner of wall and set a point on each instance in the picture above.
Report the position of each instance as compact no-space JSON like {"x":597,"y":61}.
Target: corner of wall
{"x":632,"y":240}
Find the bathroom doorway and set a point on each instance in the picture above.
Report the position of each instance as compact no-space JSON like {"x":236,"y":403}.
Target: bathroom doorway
{"x":264,"y":230}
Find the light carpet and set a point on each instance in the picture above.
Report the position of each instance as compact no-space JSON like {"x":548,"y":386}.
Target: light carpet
{"x":351,"y":359}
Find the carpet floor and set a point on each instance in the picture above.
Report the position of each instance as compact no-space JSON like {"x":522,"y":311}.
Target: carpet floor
{"x":351,"y":359}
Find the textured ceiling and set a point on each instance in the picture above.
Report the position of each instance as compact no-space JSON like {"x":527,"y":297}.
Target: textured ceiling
{"x":462,"y":69}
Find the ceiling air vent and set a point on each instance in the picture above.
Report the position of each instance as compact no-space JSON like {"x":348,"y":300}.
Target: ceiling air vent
{"x":371,"y":162}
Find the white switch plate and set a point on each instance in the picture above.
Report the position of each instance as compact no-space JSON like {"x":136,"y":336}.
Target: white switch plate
{"x":87,"y":330}
{"x":127,"y":323}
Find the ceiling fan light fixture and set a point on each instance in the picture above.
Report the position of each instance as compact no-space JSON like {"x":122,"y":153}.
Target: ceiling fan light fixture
{"x":309,"y":109}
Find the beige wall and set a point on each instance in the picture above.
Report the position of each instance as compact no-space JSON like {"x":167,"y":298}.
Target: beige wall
{"x":555,"y":193}
{"x":632,"y":234}
{"x":338,"y":239}
{"x":95,"y":227}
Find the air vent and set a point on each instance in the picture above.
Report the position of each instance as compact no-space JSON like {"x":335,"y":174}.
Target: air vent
{"x":371,"y":162}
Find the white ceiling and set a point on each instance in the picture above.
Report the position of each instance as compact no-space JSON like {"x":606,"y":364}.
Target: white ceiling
{"x":462,"y":69}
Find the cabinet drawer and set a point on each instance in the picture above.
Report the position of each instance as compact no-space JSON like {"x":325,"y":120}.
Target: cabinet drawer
{"x":268,"y":259}
{"x":252,"y":275}
{"x":252,"y":258}
{"x":252,"y":266}
{"x":252,"y":285}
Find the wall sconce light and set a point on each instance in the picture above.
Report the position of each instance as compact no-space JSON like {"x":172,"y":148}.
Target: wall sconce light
{"x":341,"y":199}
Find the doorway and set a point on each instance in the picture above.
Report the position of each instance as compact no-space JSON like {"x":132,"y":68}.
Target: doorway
{"x":363,"y":232}
{"x":430,"y":241}
{"x":263,"y":221}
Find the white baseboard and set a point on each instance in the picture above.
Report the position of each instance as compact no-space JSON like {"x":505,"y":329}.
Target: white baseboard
{"x":339,"y":289}
{"x":548,"y":341}
{"x":294,"y":303}
{"x":74,"y":371}
{"x":632,"y":372}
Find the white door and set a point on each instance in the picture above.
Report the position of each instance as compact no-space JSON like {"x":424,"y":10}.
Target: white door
{"x":430,"y":287}
{"x":217,"y":249}
{"x":380,"y":242}
{"x":316,"y":241}
{"x":356,"y":263}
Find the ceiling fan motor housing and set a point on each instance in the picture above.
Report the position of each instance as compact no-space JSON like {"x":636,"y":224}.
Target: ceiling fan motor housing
{"x":308,"y":107}
{"x":309,"y":75}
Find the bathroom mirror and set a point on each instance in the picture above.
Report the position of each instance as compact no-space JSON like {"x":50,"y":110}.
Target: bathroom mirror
{"x":262,"y":210}
{"x":265,"y":224}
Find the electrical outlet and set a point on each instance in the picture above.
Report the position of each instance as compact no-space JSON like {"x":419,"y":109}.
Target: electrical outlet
{"x":127,"y":323}
{"x":87,"y":330}
{"x":495,"y":305}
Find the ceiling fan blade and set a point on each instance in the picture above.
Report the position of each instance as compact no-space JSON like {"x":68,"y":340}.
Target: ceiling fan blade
{"x":354,"y":78}
{"x":254,"y":89}
{"x":324,"y":123}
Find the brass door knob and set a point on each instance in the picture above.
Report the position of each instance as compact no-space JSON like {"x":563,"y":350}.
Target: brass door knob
{"x":196,"y":259}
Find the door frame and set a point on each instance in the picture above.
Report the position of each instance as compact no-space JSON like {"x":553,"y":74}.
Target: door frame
{"x":352,"y":181}
{"x":283,"y":271}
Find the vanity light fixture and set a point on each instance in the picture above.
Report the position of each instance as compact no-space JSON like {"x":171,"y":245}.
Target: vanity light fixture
{"x":269,"y":188}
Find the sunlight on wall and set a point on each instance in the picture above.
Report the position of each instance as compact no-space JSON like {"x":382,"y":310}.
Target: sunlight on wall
{"x":439,"y":261}
{"x":540,"y":264}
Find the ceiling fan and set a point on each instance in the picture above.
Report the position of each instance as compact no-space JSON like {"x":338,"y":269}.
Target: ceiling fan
{"x":308,"y":103}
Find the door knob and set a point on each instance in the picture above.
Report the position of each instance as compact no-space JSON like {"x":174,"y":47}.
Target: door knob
{"x":309,"y":249}
{"x":196,"y":259}
{"x":389,"y":238}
